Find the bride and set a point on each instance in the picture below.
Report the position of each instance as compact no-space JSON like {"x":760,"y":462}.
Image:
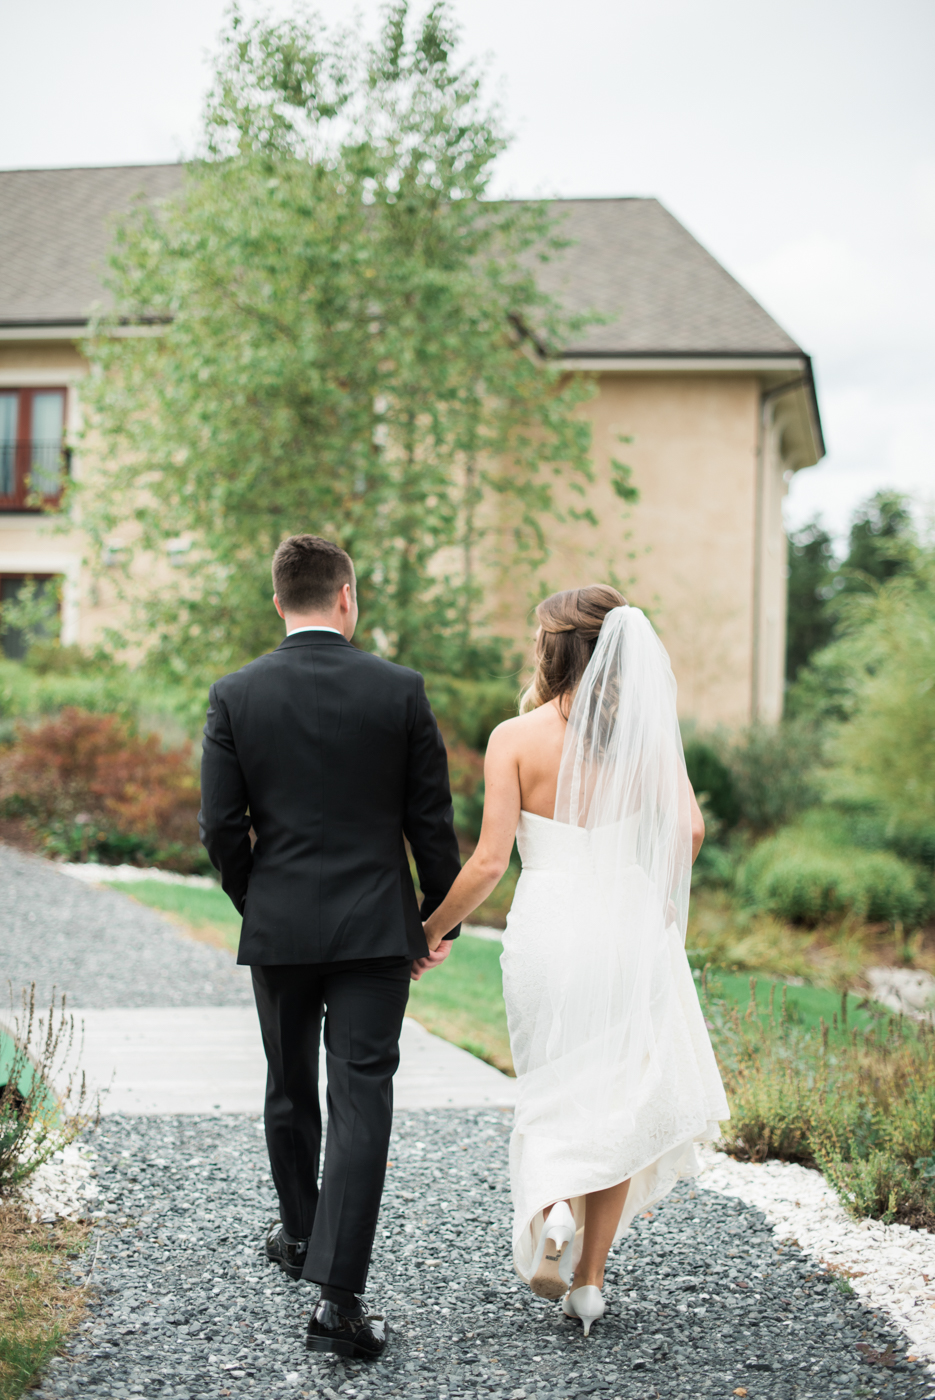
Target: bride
{"x":616,"y":1076}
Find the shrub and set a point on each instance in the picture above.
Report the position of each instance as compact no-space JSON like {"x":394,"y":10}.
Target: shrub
{"x":774,"y":772}
{"x":91,"y":785}
{"x":35,"y":1121}
{"x":804,"y":875}
{"x":27,"y":693}
{"x":466,"y":773}
{"x":860,"y":1105}
{"x":712,"y":780}
{"x":467,"y":710}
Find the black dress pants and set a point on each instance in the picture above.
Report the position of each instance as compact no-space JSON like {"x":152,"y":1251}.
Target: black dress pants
{"x":363,"y":1003}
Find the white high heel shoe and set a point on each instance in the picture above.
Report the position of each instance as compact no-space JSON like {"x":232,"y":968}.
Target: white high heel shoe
{"x":586,"y":1303}
{"x":547,"y":1279}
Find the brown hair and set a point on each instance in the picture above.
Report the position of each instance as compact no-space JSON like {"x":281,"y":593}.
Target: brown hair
{"x":569,"y":624}
{"x":308,"y":573}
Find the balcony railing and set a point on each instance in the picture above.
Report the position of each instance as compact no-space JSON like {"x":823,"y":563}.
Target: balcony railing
{"x":32,"y":474}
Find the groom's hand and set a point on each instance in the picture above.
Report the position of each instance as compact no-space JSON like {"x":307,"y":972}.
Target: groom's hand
{"x":423,"y":964}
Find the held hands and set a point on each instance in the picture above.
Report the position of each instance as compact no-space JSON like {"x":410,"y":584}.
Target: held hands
{"x":436,"y":956}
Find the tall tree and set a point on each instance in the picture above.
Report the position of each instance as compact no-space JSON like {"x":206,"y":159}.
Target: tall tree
{"x":882,"y":542}
{"x":349,"y":340}
{"x":812,"y":579}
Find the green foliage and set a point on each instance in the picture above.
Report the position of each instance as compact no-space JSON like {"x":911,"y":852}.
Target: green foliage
{"x":32,"y":617}
{"x":885,"y":750}
{"x":621,"y":480}
{"x":858,"y":1103}
{"x":467,"y":710}
{"x":101,"y":687}
{"x":350,"y":342}
{"x":812,"y":585}
{"x":881,"y":545}
{"x":813,"y":870}
{"x":95,"y":789}
{"x":712,"y":780}
{"x":774,"y":770}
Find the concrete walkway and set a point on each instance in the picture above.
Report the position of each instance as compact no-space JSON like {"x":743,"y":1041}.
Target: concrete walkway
{"x":209,"y":1059}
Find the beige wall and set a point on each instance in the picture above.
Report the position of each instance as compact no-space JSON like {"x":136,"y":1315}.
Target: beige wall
{"x":703,"y":551}
{"x":685,"y":552}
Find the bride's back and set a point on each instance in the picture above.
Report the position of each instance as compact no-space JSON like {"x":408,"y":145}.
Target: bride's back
{"x":569,"y":625}
{"x":537,"y":739}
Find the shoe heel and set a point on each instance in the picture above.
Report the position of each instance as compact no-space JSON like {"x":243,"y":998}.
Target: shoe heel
{"x":585,"y":1303}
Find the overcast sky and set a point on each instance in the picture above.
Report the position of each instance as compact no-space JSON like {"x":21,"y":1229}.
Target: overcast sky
{"x":797,"y":142}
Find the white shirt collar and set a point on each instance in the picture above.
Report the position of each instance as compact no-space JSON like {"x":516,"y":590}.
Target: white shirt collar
{"x":296,"y":630}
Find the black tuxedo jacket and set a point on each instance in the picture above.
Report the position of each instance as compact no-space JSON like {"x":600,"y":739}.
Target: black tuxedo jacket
{"x":332,"y":755}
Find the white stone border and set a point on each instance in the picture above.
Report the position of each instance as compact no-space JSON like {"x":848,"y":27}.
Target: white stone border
{"x":94,"y":874}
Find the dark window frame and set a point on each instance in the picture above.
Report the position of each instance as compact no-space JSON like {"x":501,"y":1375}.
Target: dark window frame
{"x":22,"y":500}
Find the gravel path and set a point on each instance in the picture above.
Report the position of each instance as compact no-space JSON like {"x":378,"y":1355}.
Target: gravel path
{"x":702,"y":1302}
{"x":100,"y":947}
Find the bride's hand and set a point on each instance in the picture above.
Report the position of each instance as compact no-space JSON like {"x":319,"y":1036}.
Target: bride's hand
{"x":436,"y":956}
{"x":432,"y":939}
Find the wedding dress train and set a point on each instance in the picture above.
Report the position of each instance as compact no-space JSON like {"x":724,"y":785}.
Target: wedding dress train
{"x":617,"y":1078}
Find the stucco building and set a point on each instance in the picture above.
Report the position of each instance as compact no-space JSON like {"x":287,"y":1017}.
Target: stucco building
{"x":718,"y":401}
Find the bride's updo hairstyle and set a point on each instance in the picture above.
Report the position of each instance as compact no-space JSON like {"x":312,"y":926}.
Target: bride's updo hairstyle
{"x":569,"y":624}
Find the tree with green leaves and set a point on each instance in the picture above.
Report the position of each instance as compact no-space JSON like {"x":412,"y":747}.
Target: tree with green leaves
{"x":812,"y":581}
{"x":344,"y":336}
{"x":885,"y":749}
{"x":882,"y":542}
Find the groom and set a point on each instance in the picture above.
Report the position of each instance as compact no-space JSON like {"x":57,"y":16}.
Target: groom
{"x":333,"y":757}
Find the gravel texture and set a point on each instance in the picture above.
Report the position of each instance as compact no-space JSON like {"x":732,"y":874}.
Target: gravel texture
{"x":702,"y":1301}
{"x":100,"y":947}
{"x":888,"y":1266}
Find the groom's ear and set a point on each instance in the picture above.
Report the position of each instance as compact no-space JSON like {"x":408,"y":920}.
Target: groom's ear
{"x":278,"y":607}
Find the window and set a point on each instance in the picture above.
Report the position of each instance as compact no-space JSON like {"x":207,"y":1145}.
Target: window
{"x":12,"y":642}
{"x":33,"y":462}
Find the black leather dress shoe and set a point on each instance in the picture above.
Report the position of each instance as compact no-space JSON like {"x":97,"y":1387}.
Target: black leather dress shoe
{"x":289,"y":1257}
{"x":330,"y":1330}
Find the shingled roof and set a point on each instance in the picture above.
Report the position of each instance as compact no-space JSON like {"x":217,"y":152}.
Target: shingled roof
{"x":55,"y":228}
{"x":657,"y":289}
{"x":659,"y":292}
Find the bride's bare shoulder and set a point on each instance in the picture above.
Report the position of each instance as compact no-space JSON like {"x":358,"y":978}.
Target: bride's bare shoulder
{"x":523,"y":729}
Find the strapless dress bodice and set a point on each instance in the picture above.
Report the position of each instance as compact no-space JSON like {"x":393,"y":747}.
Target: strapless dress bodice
{"x":547,"y":845}
{"x":556,"y":847}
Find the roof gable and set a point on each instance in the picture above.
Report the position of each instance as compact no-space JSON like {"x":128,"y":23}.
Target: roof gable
{"x":658,"y":289}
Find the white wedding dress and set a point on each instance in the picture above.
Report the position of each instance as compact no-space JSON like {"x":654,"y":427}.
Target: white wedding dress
{"x":617,"y":1078}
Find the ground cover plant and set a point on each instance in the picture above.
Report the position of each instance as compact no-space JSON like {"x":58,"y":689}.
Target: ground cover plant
{"x":855,"y":1100}
{"x":39,"y":1304}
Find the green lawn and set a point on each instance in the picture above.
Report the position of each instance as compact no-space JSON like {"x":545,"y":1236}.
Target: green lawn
{"x":806,"y":1006}
{"x":462,"y":1001}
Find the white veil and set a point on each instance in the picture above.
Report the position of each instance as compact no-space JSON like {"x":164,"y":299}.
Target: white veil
{"x":623,"y":781}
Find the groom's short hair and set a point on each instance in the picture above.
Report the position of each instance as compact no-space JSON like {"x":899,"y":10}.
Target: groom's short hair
{"x":309,"y":572}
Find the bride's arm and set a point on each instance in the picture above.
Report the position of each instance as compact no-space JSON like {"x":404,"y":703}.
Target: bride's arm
{"x":483,"y":871}
{"x":697,"y":825}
